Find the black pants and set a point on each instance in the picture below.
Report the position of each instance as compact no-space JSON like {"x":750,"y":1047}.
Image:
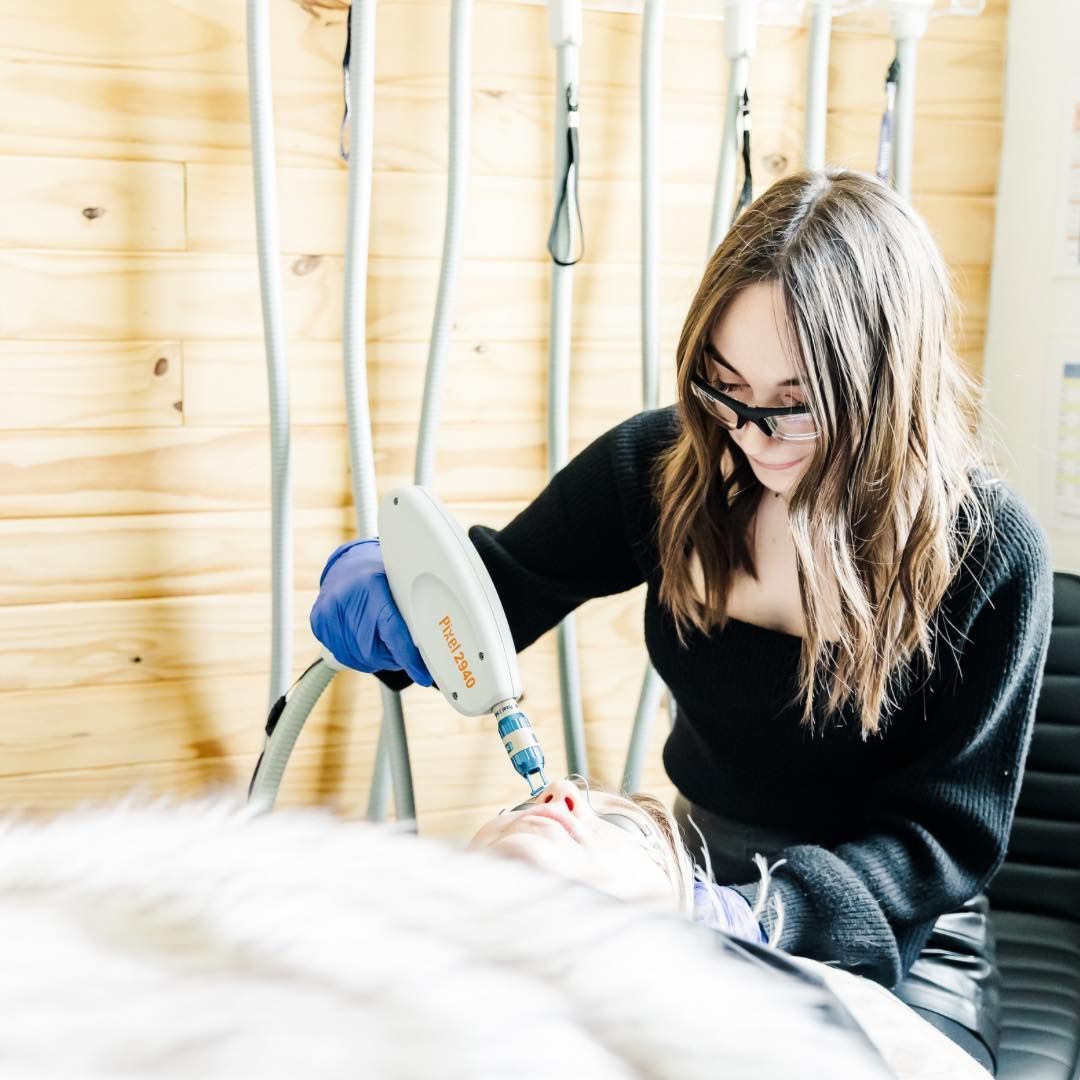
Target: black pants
{"x":954,"y":983}
{"x":966,"y":1040}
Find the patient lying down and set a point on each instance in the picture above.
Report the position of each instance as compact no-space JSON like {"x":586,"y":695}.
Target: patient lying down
{"x":630,"y":847}
{"x":625,"y":846}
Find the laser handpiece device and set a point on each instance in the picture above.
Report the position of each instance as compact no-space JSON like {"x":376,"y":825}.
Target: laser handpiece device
{"x":455,"y":618}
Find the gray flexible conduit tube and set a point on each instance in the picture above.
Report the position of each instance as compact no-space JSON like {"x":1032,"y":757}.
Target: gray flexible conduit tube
{"x":743,"y":129}
{"x":652,"y":49}
{"x":652,"y":57}
{"x":817,"y":83}
{"x":559,"y":340}
{"x":461,"y":16}
{"x":907,"y":53}
{"x":729,"y":153}
{"x":286,"y":719}
{"x":392,"y":752}
{"x":261,"y":105}
{"x":883,"y":169}
{"x":291,"y":710}
{"x":735,"y":110}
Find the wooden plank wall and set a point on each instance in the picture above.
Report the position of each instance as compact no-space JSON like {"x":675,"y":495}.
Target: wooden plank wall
{"x":134,"y":478}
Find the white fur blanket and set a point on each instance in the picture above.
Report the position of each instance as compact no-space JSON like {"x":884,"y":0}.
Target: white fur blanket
{"x":194,"y":940}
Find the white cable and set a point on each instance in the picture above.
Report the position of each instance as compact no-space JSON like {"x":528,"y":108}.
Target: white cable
{"x":908,"y":22}
{"x":286,"y":725}
{"x":392,"y":744}
{"x":261,"y":106}
{"x":392,"y":754}
{"x":652,"y":49}
{"x":564,"y":28}
{"x":907,"y":51}
{"x":392,"y":751}
{"x":724,"y":191}
{"x":652,"y":55}
{"x":817,"y":83}
{"x":461,"y":18}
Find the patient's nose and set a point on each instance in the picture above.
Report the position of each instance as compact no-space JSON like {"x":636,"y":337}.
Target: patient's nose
{"x":565,"y":791}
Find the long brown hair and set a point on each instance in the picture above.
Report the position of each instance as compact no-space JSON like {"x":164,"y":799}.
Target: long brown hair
{"x":890,"y":502}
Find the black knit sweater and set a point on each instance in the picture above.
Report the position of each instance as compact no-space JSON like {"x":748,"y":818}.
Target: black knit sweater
{"x":898,"y":828}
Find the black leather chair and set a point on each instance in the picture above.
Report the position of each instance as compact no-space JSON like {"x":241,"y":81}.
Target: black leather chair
{"x":1035,"y":897}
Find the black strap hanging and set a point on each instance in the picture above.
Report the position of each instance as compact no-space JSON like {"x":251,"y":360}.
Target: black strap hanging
{"x":746,"y":196}
{"x":345,"y":84}
{"x":885,"y":140}
{"x":567,"y":220}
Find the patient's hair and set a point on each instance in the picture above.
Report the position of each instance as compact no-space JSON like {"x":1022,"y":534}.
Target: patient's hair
{"x":695,"y":889}
{"x":682,"y":876}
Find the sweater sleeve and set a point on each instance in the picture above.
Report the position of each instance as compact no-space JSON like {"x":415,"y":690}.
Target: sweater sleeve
{"x":937,"y":830}
{"x":575,"y":541}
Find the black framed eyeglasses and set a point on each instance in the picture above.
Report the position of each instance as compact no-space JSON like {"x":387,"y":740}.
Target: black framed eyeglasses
{"x":792,"y":423}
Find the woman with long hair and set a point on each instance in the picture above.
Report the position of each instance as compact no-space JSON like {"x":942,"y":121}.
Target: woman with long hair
{"x":850,"y":609}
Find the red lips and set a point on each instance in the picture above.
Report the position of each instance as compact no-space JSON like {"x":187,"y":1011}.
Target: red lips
{"x":557,"y":813}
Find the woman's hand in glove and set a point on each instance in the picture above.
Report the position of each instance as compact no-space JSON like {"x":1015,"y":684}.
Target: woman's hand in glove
{"x":356,"y":618}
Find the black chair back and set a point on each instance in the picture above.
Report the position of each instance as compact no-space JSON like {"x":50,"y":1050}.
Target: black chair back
{"x":1041,"y":873}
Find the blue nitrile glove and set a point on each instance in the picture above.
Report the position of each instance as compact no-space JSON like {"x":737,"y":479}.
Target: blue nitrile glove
{"x":721,"y":908}
{"x":356,"y":618}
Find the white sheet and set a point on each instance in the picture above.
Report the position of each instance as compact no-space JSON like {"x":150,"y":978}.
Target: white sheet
{"x":913,"y":1048}
{"x":191,"y":940}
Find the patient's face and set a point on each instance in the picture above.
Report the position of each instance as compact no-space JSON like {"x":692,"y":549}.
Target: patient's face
{"x":604,"y":840}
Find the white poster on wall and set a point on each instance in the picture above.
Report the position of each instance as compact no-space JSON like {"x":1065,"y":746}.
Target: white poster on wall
{"x":1066,"y":472}
{"x":1068,"y":233}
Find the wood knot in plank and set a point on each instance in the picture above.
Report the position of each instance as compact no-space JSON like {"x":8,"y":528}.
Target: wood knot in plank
{"x":305,"y":264}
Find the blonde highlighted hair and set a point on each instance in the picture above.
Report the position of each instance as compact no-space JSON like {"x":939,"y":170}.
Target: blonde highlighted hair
{"x":682,"y":873}
{"x":891,"y":501}
{"x":686,"y":872}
